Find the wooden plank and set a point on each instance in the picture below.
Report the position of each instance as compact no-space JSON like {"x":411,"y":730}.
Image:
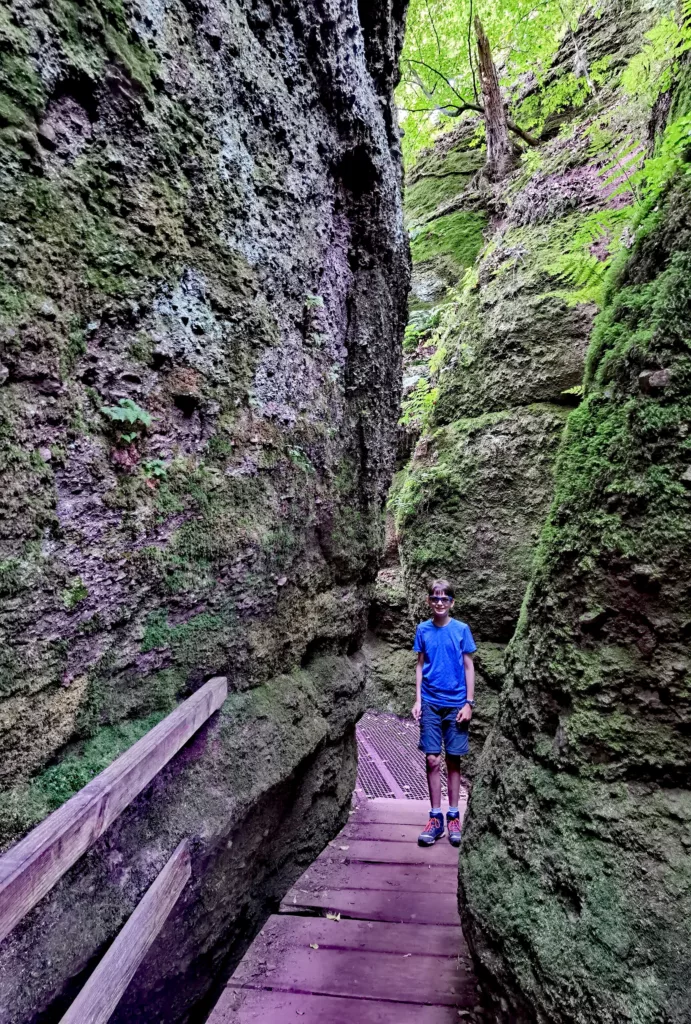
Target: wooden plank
{"x":397,"y":812}
{"x":31,"y":868}
{"x":356,"y":974}
{"x":104,"y":989}
{"x":403,"y":812}
{"x":281,"y":931}
{"x":374,"y":905}
{"x":388,"y":877}
{"x":344,"y":851}
{"x":381,"y":832}
{"x":259,"y":1006}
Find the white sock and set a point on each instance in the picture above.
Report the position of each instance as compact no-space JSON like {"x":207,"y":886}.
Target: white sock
{"x":435,"y":810}
{"x":452,"y":810}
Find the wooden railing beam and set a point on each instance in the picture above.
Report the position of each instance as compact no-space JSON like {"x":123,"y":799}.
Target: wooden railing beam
{"x":104,"y":989}
{"x":31,"y":868}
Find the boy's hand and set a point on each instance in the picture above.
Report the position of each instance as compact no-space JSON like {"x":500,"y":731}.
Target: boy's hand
{"x":416,"y":710}
{"x":465,"y":714}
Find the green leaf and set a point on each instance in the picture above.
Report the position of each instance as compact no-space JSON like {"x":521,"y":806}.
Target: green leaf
{"x":127,"y":411}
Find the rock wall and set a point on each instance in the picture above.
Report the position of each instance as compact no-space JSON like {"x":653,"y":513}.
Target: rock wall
{"x":204,"y":277}
{"x":576,"y":865}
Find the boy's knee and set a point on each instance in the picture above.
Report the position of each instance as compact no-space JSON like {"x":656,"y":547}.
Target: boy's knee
{"x":453,"y":762}
{"x":433,"y":761}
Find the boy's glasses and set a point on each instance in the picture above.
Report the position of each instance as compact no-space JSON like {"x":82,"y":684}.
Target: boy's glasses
{"x":440,"y":600}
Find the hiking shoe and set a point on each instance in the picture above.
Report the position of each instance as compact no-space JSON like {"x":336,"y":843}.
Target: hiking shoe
{"x":434,"y":831}
{"x":453,"y":825}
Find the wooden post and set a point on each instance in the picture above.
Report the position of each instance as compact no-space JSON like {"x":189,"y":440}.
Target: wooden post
{"x":31,"y":868}
{"x":106,"y":986}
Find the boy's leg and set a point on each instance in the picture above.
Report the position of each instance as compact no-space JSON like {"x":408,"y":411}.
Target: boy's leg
{"x":434,"y":779}
{"x":453,"y":774}
{"x":455,"y":745}
{"x":430,"y":743}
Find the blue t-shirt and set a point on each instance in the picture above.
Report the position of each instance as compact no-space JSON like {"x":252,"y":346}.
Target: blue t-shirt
{"x":443,"y":672}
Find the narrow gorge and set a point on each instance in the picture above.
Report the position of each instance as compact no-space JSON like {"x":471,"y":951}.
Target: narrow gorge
{"x":279,"y":343}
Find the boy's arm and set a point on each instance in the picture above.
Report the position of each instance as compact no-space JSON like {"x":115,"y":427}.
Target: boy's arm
{"x":466,"y":712}
{"x":417,"y":706}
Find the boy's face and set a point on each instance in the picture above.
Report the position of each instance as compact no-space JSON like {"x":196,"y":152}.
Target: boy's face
{"x":440,"y":603}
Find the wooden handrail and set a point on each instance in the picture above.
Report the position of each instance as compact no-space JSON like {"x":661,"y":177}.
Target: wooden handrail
{"x":104,"y":989}
{"x":31,"y":868}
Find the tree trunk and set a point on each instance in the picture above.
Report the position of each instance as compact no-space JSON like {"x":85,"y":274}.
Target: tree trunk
{"x":501,"y":154}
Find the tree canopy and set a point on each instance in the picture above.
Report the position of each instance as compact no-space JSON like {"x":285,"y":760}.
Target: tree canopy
{"x":440,"y":80}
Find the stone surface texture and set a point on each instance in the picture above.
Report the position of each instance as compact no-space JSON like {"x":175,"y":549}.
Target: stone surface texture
{"x":576,"y":867}
{"x":202,"y":298}
{"x":576,"y":863}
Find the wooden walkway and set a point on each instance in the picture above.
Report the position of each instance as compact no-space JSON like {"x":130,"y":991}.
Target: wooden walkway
{"x":368,"y":935}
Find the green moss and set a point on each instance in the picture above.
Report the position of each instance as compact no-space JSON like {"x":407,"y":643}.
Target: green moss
{"x":21,"y":807}
{"x":10,"y":577}
{"x":437,"y":178}
{"x":74,"y":593}
{"x":355,"y":534}
{"x":459,"y":236}
{"x":201,"y":640}
{"x":469,"y":507}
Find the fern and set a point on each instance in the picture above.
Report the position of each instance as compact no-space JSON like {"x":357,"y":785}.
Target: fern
{"x":419,"y":404}
{"x":585,"y":270}
{"x":618,"y":175}
{"x":653,"y":71}
{"x":127,"y":411}
{"x":672,"y":158}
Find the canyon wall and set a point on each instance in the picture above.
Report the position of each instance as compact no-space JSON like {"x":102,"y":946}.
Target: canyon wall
{"x":576,"y":865}
{"x":204,"y":278}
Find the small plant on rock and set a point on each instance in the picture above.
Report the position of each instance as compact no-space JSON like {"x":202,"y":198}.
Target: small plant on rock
{"x":128,"y":412}
{"x":154,"y":469}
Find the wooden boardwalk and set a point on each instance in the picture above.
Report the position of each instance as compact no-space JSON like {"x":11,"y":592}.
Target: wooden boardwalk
{"x":368,"y":935}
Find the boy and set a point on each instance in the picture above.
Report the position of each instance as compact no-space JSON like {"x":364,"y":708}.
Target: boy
{"x":445,"y":681}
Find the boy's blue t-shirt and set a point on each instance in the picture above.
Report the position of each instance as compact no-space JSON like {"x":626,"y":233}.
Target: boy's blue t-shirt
{"x":443,"y":672}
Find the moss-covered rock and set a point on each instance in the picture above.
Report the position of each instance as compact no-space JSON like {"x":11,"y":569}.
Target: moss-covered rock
{"x":470,"y":508}
{"x":576,"y":871}
{"x":203,"y":279}
{"x":445,"y":222}
{"x":202,"y":240}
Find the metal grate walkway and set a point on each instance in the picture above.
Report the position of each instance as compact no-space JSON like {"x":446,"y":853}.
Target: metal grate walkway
{"x":390,"y":764}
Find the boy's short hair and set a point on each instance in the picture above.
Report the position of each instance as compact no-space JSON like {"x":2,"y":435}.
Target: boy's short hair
{"x":444,"y":586}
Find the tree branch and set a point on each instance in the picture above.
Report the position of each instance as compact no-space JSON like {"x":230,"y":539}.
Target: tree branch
{"x":434,"y":71}
{"x":434,"y":27}
{"x":441,"y":174}
{"x":522,"y":133}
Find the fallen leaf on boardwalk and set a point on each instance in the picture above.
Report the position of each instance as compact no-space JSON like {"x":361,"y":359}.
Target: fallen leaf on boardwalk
{"x":343,"y":847}
{"x":314,"y":945}
{"x":333,"y":917}
{"x":406,"y":954}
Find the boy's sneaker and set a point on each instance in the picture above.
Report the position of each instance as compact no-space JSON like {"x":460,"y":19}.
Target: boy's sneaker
{"x":453,"y":825}
{"x":434,"y":830}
